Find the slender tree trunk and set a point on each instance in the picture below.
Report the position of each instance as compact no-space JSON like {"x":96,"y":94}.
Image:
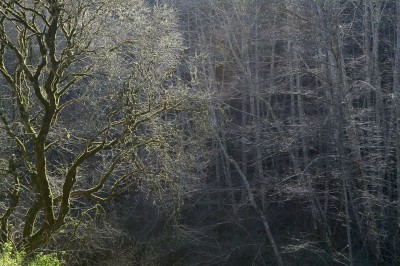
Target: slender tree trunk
{"x":337,"y":75}
{"x":396,"y":111}
{"x":253,"y":203}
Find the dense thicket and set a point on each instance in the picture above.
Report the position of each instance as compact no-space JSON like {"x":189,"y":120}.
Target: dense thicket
{"x":305,"y":124}
{"x":230,"y":132}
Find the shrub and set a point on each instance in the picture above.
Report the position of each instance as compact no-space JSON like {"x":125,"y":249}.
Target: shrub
{"x":10,"y":257}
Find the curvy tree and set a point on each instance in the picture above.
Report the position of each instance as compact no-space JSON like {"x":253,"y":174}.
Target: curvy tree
{"x":89,"y":104}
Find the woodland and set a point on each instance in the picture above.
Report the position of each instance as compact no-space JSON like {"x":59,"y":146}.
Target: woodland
{"x":200,"y":132}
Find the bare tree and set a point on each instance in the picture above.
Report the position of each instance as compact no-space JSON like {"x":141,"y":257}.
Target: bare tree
{"x":89,"y":103}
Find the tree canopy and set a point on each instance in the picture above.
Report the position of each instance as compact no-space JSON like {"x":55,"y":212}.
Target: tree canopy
{"x":89,"y":104}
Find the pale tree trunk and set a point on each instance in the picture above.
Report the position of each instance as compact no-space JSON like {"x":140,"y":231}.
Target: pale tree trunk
{"x":208,"y":72}
{"x":204,"y":73}
{"x":257,"y":112}
{"x":341,"y":81}
{"x":376,"y":138}
{"x":337,"y":75}
{"x":271,"y":85}
{"x":253,"y":203}
{"x":396,"y":111}
{"x":320,"y":220}
{"x":396,"y":79}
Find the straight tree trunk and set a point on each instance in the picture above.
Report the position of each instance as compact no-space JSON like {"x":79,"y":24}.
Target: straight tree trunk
{"x":253,"y":203}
